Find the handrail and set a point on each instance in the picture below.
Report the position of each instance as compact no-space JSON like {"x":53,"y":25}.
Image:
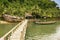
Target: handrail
{"x":12,"y":29}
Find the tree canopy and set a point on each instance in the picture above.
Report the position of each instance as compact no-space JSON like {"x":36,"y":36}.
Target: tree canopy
{"x":19,"y":7}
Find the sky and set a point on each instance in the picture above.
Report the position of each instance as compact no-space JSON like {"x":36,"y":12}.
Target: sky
{"x":58,"y":2}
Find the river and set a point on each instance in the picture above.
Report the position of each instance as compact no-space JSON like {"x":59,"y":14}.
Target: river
{"x":43,"y":32}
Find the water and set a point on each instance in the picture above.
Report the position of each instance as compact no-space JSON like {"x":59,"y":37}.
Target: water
{"x":4,"y":28}
{"x":43,"y":32}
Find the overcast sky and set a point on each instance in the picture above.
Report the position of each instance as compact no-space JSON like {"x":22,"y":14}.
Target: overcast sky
{"x":58,"y":2}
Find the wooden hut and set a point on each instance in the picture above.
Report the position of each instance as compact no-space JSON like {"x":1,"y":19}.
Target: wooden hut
{"x":28,"y":15}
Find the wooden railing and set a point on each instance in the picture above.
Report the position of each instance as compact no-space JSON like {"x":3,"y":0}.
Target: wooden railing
{"x":16,"y":33}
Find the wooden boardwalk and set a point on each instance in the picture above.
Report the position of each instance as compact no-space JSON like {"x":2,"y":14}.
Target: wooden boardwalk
{"x":19,"y":33}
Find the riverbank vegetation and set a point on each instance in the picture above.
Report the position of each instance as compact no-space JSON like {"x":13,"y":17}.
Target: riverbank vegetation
{"x":36,"y":7}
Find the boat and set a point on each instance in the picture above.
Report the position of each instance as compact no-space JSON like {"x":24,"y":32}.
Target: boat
{"x":47,"y":22}
{"x":11,"y":18}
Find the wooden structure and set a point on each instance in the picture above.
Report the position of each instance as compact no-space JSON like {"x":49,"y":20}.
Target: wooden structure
{"x":16,"y":33}
{"x":28,"y":15}
{"x":11,"y":18}
{"x":48,"y":22}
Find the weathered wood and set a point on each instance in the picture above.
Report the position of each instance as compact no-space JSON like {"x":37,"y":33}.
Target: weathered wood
{"x":48,"y":22}
{"x":11,"y":18}
{"x":16,"y":33}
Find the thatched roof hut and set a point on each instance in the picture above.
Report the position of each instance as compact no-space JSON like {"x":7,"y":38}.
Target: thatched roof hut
{"x":28,"y":15}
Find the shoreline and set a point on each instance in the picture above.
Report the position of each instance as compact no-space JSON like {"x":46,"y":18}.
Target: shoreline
{"x":4,"y":22}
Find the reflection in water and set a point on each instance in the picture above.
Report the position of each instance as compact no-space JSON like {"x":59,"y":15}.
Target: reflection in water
{"x":54,"y":36}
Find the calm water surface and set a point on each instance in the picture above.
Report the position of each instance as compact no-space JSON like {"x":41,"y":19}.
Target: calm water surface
{"x":4,"y":28}
{"x":43,"y":32}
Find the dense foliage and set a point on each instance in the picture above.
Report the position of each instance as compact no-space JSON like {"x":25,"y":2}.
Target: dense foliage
{"x":19,"y":7}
